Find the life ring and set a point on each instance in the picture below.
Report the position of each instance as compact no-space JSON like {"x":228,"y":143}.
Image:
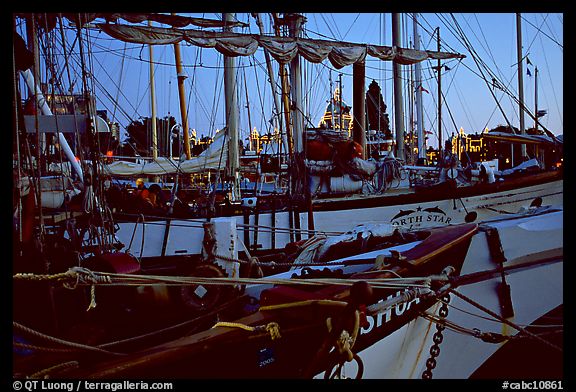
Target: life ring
{"x":202,"y":298}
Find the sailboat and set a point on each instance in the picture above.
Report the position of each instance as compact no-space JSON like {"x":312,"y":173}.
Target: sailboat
{"x":425,"y":251}
{"x":363,"y":194}
{"x":367,"y":315}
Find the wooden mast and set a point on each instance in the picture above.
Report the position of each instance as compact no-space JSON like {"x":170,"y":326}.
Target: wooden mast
{"x":295,"y":22}
{"x":181,"y":93}
{"x":359,"y":105}
{"x":153,"y":102}
{"x":419,"y":104}
{"x":520,"y":84}
{"x":439,"y":69}
{"x":273,"y":86}
{"x":398,"y":101}
{"x":285,"y":92}
{"x":230,"y":91}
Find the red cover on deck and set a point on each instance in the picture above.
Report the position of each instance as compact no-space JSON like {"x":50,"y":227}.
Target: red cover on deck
{"x":121,"y":263}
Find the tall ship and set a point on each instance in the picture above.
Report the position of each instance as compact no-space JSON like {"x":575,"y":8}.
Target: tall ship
{"x":368,"y":232}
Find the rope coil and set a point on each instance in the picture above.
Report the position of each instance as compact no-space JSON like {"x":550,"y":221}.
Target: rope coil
{"x":272,"y":328}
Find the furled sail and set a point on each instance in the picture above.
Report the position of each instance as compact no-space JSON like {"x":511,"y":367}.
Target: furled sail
{"x":283,"y":49}
{"x":213,"y":158}
{"x":48,"y":20}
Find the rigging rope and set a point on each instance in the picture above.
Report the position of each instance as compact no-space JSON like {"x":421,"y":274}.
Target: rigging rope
{"x":63,"y":342}
{"x":83,"y":276}
{"x":503,"y":320}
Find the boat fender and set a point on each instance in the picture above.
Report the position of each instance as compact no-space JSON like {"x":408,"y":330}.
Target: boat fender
{"x":471,"y":217}
{"x":489,"y":337}
{"x":487,"y":173}
{"x":382,"y":262}
{"x":249,"y":202}
{"x":536,"y":203}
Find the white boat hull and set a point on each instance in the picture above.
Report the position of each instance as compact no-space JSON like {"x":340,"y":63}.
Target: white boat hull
{"x":535,"y":291}
{"x":185,"y":237}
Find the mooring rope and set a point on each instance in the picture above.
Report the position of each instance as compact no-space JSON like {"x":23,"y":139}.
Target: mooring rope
{"x":56,"y":340}
{"x":92,"y":278}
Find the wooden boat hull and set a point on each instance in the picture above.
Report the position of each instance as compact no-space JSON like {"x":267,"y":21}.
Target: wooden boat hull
{"x":301,"y":314}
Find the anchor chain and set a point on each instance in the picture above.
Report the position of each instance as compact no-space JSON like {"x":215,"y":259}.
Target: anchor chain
{"x":437,"y":339}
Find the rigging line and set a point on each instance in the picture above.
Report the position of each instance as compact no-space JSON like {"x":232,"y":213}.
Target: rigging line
{"x":113,"y":100}
{"x":551,"y":31}
{"x":211,"y":116}
{"x":61,"y":341}
{"x":560,"y":116}
{"x":465,"y":41}
{"x":307,"y":95}
{"x":474,"y":57}
{"x":446,"y":102}
{"x":129,"y":117}
{"x":336,"y":26}
{"x":50,"y":62}
{"x":496,"y":106}
{"x":465,"y":107}
{"x":329,"y":28}
{"x":16,"y":102}
{"x":501,"y":76}
{"x":543,"y":33}
{"x":492,"y":319}
{"x":192,"y":85}
{"x":261,"y":99}
{"x":446,"y":44}
{"x":433,"y":33}
{"x":527,"y":51}
{"x":503,"y":320}
{"x":50,"y":66}
{"x":197,"y":96}
{"x":351,"y":24}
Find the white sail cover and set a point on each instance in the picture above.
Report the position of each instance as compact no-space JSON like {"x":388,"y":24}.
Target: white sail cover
{"x":48,"y":20}
{"x":283,"y":49}
{"x":213,"y":158}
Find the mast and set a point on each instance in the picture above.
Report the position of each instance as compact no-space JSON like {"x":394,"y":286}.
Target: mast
{"x":295,"y":22}
{"x":285,"y":91}
{"x":398,"y":104}
{"x":359,"y":105}
{"x":272,"y":85}
{"x":248,"y":109}
{"x":181,"y":94}
{"x":340,"y":123}
{"x":520,"y":83}
{"x":411,"y":116}
{"x":332,"y":102}
{"x":231,"y":114}
{"x":419,"y":104}
{"x":153,"y":102}
{"x":32,"y":37}
{"x":536,"y":98}
{"x":439,"y":69}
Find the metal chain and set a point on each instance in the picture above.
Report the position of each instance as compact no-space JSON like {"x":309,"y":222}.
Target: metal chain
{"x":437,"y":339}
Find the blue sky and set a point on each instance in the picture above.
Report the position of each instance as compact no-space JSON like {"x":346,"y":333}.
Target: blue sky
{"x":122,"y":71}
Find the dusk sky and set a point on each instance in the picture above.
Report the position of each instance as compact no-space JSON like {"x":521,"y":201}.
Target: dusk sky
{"x":122,"y":72}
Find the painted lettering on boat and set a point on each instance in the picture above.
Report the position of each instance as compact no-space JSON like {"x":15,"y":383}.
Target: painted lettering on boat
{"x":420,"y":217}
{"x":265,"y":357}
{"x":380,"y":319}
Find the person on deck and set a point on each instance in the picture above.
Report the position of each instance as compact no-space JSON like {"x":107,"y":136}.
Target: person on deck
{"x":155,"y":198}
{"x":448,"y":164}
{"x":181,"y":208}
